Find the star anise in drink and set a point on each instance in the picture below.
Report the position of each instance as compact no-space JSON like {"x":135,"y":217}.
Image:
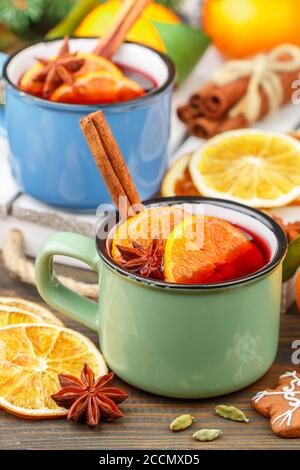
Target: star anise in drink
{"x":89,"y":399}
{"x":59,"y":70}
{"x":148,"y":262}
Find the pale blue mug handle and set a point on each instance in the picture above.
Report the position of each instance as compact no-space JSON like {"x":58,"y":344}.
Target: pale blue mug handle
{"x":3,"y":59}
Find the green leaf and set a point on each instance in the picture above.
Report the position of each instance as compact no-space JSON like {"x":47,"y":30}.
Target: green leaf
{"x":292,"y":260}
{"x":184,"y":44}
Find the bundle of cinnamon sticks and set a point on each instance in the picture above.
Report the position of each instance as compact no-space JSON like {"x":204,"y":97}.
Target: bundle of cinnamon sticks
{"x":209,"y":109}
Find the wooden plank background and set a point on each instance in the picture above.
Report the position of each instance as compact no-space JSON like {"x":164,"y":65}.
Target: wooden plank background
{"x":147,"y":417}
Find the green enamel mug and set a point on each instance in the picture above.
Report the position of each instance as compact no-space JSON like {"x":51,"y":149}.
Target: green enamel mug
{"x":185,"y":341}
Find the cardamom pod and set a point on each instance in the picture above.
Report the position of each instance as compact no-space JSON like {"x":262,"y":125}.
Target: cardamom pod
{"x":181,"y":422}
{"x":231,"y":412}
{"x":207,"y":434}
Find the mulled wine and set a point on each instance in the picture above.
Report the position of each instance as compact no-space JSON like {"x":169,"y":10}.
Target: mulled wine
{"x":145,"y":81}
{"x":83,"y":78}
{"x":170,"y":244}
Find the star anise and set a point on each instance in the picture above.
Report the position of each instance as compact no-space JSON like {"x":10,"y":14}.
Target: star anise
{"x":59,"y":70}
{"x":89,"y":399}
{"x":148,"y":262}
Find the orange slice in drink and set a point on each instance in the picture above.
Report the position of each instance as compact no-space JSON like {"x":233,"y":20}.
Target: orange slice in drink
{"x":96,"y":63}
{"x":93,"y":63}
{"x":152,"y":223}
{"x":28,"y":82}
{"x":29,"y":307}
{"x":31,"y":357}
{"x":98,"y":88}
{"x":204,"y":249}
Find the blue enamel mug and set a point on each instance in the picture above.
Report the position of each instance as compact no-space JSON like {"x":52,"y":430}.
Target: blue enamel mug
{"x":49,"y":156}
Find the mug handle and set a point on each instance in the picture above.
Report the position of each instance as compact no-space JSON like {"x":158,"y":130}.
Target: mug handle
{"x":53,"y":292}
{"x":3,"y":59}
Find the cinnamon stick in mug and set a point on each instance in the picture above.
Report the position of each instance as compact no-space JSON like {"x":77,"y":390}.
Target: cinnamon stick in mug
{"x":128,"y":14}
{"x":111,"y":163}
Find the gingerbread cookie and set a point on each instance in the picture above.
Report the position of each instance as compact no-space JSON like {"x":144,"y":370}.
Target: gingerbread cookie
{"x":282,"y":405}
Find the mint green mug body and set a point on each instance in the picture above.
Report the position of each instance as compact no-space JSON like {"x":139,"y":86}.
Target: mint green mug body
{"x":185,"y":341}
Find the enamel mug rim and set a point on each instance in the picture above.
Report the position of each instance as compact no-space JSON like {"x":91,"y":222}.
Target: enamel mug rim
{"x":122,"y":105}
{"x":256,"y":214}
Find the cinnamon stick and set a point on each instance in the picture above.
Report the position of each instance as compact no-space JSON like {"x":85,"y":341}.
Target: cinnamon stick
{"x":187,"y":112}
{"x":214,"y":100}
{"x":115,"y":156}
{"x":129,"y":13}
{"x":205,"y":128}
{"x":110,"y":163}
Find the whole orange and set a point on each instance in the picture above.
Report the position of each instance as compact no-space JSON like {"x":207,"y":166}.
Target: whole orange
{"x":143,"y":31}
{"x":240,"y":28}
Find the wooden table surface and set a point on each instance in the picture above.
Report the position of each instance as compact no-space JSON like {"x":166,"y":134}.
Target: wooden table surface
{"x":147,"y":417}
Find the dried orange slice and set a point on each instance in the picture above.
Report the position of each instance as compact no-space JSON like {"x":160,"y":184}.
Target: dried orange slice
{"x":156,"y":222}
{"x":43,"y":313}
{"x":14,"y":316}
{"x":178,"y":181}
{"x":204,"y":249}
{"x":98,"y":88}
{"x":31,"y":357}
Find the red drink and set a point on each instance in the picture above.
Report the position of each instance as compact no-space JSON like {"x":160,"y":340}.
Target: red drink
{"x":87,"y":79}
{"x":193,"y":249}
{"x":145,"y":81}
{"x":243,"y":261}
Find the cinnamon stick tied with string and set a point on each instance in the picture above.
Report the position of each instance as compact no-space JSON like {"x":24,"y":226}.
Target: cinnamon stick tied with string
{"x":243,"y":92}
{"x":129,"y":13}
{"x":111,"y":164}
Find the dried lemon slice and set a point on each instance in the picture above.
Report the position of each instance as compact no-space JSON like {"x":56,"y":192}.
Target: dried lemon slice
{"x":31,"y":357}
{"x":258,"y":168}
